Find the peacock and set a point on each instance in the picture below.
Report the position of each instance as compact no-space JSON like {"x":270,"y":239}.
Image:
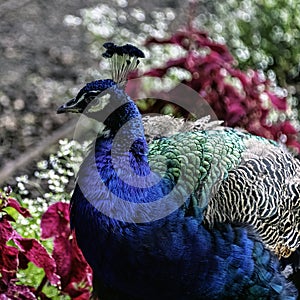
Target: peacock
{"x":199,"y":212}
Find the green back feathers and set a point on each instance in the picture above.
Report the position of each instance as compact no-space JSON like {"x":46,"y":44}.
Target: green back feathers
{"x":205,"y":157}
{"x":235,"y":177}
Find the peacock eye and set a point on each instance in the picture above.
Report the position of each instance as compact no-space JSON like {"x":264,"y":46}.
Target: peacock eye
{"x":72,"y":101}
{"x":98,"y":102}
{"x":90,"y":97}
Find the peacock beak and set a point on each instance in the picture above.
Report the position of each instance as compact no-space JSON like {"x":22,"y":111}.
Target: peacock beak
{"x":69,"y":106}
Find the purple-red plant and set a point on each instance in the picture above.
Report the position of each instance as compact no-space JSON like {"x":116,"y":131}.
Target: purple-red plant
{"x":75,"y":273}
{"x":213,"y":72}
{"x":65,"y":268}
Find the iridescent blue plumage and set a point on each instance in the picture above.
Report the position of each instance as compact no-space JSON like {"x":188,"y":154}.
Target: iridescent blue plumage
{"x":175,"y":257}
{"x":97,"y":85}
{"x":139,"y":250}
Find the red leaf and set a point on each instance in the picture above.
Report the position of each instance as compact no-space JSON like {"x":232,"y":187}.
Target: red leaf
{"x":84,"y":296}
{"x":55,"y":221}
{"x":79,"y":263}
{"x":278,"y":102}
{"x":235,"y":113}
{"x":23,"y":261}
{"x":156,"y":72}
{"x":6,"y":231}
{"x":71,"y":265}
{"x":37,"y":254}
{"x":184,"y":38}
{"x":16,"y":292}
{"x":179,"y":62}
{"x":293,"y":143}
{"x":178,"y":39}
{"x":288,"y":128}
{"x":62,"y":253}
{"x":8,"y":262}
{"x":16,"y":205}
{"x":220,"y":49}
{"x":80,"y":272}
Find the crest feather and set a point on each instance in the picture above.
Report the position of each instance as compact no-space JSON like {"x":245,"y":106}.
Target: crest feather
{"x":123,"y":59}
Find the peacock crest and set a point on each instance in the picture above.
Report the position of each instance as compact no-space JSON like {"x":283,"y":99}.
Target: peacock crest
{"x":123,"y":60}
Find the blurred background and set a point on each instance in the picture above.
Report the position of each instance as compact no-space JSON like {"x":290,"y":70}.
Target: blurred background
{"x":50,"y":49}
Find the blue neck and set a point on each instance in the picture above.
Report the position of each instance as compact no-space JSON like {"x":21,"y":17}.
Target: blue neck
{"x":126,"y":137}
{"x":116,"y":176}
{"x":122,"y":154}
{"x":120,"y":115}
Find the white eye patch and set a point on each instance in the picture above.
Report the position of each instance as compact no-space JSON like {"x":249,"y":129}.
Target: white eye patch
{"x":99,"y":102}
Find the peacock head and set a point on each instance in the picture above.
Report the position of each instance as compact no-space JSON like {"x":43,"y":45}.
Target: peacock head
{"x":91,"y":98}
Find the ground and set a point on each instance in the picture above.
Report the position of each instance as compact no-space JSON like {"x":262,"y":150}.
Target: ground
{"x":41,"y":60}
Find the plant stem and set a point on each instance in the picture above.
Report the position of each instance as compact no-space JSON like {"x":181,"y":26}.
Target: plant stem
{"x":42,"y":284}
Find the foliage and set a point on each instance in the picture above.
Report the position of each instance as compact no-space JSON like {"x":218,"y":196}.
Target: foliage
{"x":19,"y":254}
{"x":243,"y":99}
{"x":264,"y":34}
